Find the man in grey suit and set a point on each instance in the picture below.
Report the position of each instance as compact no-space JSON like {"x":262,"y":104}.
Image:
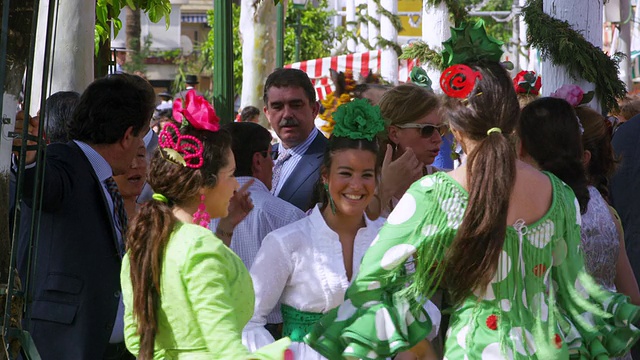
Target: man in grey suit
{"x":291,"y":107}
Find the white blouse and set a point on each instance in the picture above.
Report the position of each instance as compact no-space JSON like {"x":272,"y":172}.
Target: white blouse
{"x":301,"y":265}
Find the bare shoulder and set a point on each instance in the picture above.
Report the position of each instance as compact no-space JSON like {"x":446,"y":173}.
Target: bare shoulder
{"x":532,"y":194}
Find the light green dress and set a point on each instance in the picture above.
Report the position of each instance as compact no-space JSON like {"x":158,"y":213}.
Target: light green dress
{"x":540,"y":304}
{"x":206,"y":300}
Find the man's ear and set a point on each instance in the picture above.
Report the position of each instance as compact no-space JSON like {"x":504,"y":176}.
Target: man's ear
{"x":316,"y":109}
{"x":257,"y":163}
{"x":127,"y":139}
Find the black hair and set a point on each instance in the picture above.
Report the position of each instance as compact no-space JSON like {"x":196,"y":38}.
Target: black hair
{"x":247,"y":139}
{"x":58,"y":111}
{"x":550,"y":132}
{"x":109,"y":106}
{"x":248,"y":112}
{"x":289,"y":78}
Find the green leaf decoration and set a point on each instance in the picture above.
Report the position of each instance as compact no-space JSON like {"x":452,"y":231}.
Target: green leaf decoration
{"x":358,"y":119}
{"x":419,"y":77}
{"x":587,"y":97}
{"x":469,"y":43}
{"x":173,"y":156}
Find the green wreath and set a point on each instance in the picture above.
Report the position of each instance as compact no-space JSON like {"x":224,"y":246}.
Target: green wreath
{"x":563,"y":46}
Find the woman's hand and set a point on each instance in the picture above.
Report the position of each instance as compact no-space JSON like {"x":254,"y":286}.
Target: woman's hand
{"x":399,"y":174}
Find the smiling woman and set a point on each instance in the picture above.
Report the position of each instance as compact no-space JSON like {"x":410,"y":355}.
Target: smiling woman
{"x":308,"y":265}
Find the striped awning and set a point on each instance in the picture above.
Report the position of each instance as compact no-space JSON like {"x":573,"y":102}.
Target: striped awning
{"x":194,"y":18}
{"x":358,"y":63}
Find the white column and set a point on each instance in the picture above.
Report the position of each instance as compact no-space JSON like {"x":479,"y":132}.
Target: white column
{"x":374,"y":31}
{"x":364,"y":26}
{"x":624,"y":44}
{"x":389,"y":57}
{"x":72,"y":49}
{"x":351,"y":28}
{"x":584,"y":16}
{"x":436,"y":28}
{"x":523,"y":53}
{"x":258,"y":29}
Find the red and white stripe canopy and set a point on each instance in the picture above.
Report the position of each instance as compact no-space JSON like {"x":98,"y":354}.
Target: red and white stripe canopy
{"x":359,"y":63}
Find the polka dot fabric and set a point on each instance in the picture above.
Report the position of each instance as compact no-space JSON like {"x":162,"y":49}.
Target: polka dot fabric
{"x":540,"y":303}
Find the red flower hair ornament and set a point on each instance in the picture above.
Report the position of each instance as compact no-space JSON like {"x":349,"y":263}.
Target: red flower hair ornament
{"x":186,"y":150}
{"x":527,"y":82}
{"x":458,"y":81}
{"x":197,"y":110}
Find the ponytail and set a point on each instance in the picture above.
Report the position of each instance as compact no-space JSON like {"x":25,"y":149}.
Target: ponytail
{"x":476,"y":248}
{"x":146,"y":241}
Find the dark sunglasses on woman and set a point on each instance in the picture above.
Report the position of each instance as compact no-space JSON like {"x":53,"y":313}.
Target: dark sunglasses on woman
{"x":426,"y":130}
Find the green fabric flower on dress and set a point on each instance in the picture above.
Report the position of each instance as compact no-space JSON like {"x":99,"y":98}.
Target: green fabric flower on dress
{"x":469,"y":43}
{"x":358,"y":119}
{"x":419,"y":77}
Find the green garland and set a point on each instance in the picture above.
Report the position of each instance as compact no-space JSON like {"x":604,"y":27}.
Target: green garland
{"x":558,"y":42}
{"x":458,"y":12}
{"x":365,"y":18}
{"x":425,"y":55}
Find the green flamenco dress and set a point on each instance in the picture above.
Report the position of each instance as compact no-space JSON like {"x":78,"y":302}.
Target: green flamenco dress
{"x":540,"y":304}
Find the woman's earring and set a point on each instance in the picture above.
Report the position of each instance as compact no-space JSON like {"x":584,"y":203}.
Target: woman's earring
{"x":331,"y":203}
{"x":201,"y":217}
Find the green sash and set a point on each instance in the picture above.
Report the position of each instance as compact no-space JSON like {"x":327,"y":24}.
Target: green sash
{"x":297,"y":323}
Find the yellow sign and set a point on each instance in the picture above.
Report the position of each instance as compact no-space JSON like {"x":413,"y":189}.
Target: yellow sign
{"x":411,"y":25}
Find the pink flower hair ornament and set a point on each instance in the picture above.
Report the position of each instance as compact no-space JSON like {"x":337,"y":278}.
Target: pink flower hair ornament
{"x":573,"y":94}
{"x":185,"y":150}
{"x":197,"y":111}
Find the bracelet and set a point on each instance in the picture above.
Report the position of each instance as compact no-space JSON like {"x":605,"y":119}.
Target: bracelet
{"x":224,"y":233}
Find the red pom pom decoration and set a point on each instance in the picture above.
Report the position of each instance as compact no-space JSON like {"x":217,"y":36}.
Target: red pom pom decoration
{"x":492,"y":322}
{"x":459,"y":80}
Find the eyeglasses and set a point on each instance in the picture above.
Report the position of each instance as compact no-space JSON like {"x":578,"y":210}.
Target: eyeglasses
{"x":426,"y":130}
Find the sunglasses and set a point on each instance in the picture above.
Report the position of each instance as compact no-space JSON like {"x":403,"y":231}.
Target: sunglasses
{"x":426,"y":130}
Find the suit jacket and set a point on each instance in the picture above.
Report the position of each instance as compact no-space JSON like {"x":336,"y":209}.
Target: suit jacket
{"x":624,"y":193}
{"x":299,"y":186}
{"x":76,"y":286}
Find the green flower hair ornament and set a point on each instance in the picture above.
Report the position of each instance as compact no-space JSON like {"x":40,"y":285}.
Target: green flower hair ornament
{"x":469,"y":43}
{"x":358,"y":119}
{"x":419,"y":77}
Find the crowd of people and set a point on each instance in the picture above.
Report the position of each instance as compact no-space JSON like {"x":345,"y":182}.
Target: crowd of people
{"x":189,"y":239}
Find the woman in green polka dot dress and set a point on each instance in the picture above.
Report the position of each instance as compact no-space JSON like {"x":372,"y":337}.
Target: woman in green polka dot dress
{"x":501,"y":237}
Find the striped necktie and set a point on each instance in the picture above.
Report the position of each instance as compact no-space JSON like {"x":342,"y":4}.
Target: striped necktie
{"x":277,"y":169}
{"x":120,"y":215}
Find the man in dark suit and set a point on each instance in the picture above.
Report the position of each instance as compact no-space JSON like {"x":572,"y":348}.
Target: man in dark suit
{"x":291,"y":108}
{"x":76,"y":307}
{"x":624,"y":193}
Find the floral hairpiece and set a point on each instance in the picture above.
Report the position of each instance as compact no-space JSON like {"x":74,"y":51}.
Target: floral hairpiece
{"x":419,"y":77}
{"x":358,"y":119}
{"x":527,"y":82}
{"x":186,"y":150}
{"x":573,"y":94}
{"x":458,"y":81}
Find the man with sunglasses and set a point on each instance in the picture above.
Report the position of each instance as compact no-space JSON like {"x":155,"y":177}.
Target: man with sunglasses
{"x":251,"y":146}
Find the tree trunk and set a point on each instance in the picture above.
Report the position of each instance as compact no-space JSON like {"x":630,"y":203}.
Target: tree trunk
{"x":436,"y":28}
{"x":132,"y":31}
{"x":584,"y":16}
{"x":257,"y":31}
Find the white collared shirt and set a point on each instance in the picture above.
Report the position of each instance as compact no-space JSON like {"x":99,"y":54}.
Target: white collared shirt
{"x":302,"y":266}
